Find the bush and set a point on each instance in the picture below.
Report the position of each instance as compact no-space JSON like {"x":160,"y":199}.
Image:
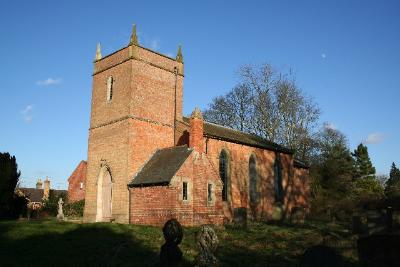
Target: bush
{"x":50,"y":205}
{"x":74,"y":209}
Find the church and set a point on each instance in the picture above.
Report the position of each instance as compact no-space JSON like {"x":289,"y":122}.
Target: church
{"x":147,"y":163}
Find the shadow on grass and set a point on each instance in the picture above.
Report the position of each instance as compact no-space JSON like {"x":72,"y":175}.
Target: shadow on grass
{"x":73,"y":245}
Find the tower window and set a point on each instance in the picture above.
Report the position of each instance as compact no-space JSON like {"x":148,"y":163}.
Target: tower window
{"x":185,"y":191}
{"x":110,"y":81}
{"x":81,"y":185}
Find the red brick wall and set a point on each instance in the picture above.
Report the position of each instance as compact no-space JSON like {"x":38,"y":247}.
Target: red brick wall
{"x":75,"y":192}
{"x":126,"y":131}
{"x":156,"y":204}
{"x":295,"y":188}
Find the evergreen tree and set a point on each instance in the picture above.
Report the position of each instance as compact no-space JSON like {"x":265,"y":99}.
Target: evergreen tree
{"x":333,"y":167}
{"x":363,"y":164}
{"x":392,"y":188}
{"x":9,"y":177}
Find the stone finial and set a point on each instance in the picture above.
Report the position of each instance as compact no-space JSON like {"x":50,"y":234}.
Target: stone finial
{"x":196,"y":114}
{"x":179,"y":56}
{"x":98,"y":52}
{"x":134,"y":39}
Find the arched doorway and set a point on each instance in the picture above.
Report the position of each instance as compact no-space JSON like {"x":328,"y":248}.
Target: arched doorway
{"x":104,"y":195}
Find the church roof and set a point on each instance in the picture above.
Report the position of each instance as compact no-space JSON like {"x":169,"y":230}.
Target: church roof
{"x":161,"y":167}
{"x":216,"y":131}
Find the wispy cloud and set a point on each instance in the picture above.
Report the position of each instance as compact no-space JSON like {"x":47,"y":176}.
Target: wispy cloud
{"x":330,"y":125}
{"x":49,"y":81}
{"x":27,"y":113}
{"x":374,"y":138}
{"x":323,"y":56}
{"x":154,"y":44}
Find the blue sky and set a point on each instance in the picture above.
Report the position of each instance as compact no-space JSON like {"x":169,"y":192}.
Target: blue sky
{"x":345,"y":54}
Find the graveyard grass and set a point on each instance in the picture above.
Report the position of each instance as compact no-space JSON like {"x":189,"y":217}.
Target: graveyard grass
{"x":47,"y":242}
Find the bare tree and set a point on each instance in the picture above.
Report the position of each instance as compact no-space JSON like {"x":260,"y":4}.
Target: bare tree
{"x":271,"y":105}
{"x":233,"y":110}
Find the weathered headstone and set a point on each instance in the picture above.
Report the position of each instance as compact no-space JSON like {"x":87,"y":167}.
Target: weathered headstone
{"x":359,"y":224}
{"x":207,"y":241}
{"x":389,"y":219}
{"x":297,"y":215}
{"x":396,"y":219}
{"x":170,"y":254}
{"x":60,"y":215}
{"x":376,"y":221}
{"x":277,"y":212}
{"x":240,"y":217}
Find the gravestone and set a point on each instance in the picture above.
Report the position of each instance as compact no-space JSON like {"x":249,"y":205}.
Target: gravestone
{"x":277,"y":212}
{"x":207,"y":241}
{"x":60,"y":215}
{"x":376,"y":221}
{"x":359,"y":224}
{"x":240,"y":217}
{"x":170,"y":254}
{"x":389,"y":219}
{"x":297,"y":215}
{"x":396,"y":219}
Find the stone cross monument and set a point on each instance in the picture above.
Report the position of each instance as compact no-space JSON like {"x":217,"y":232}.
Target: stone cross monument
{"x":60,"y":215}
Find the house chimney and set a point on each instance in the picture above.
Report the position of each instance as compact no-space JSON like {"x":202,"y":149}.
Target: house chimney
{"x":46,"y":189}
{"x":39,"y":184}
{"x":196,"y":131}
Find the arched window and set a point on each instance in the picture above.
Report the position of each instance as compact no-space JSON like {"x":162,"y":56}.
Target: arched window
{"x":223,"y":173}
{"x":252,"y":179}
{"x":278,"y":187}
{"x":110,"y":81}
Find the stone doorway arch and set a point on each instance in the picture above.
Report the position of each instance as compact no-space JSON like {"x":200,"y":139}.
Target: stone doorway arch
{"x":104,"y":195}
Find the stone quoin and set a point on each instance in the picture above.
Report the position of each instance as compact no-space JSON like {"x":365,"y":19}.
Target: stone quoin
{"x":147,"y":163}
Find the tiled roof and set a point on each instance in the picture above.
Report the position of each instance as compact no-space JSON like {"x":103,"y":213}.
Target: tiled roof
{"x":162,"y":166}
{"x":33,"y":194}
{"x":228,"y":134}
{"x":80,"y":171}
{"x":36,"y":195}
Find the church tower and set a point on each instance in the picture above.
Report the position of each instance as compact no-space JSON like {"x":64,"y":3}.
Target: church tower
{"x":136,"y":101}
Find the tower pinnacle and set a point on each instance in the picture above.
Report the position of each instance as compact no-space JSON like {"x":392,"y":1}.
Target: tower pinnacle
{"x":179,"y":56}
{"x":98,"y":52}
{"x":134,"y":39}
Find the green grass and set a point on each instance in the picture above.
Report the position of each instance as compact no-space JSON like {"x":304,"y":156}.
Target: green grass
{"x":49,"y":243}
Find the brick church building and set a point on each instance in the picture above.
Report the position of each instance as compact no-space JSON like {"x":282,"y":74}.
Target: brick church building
{"x":148,"y":163}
